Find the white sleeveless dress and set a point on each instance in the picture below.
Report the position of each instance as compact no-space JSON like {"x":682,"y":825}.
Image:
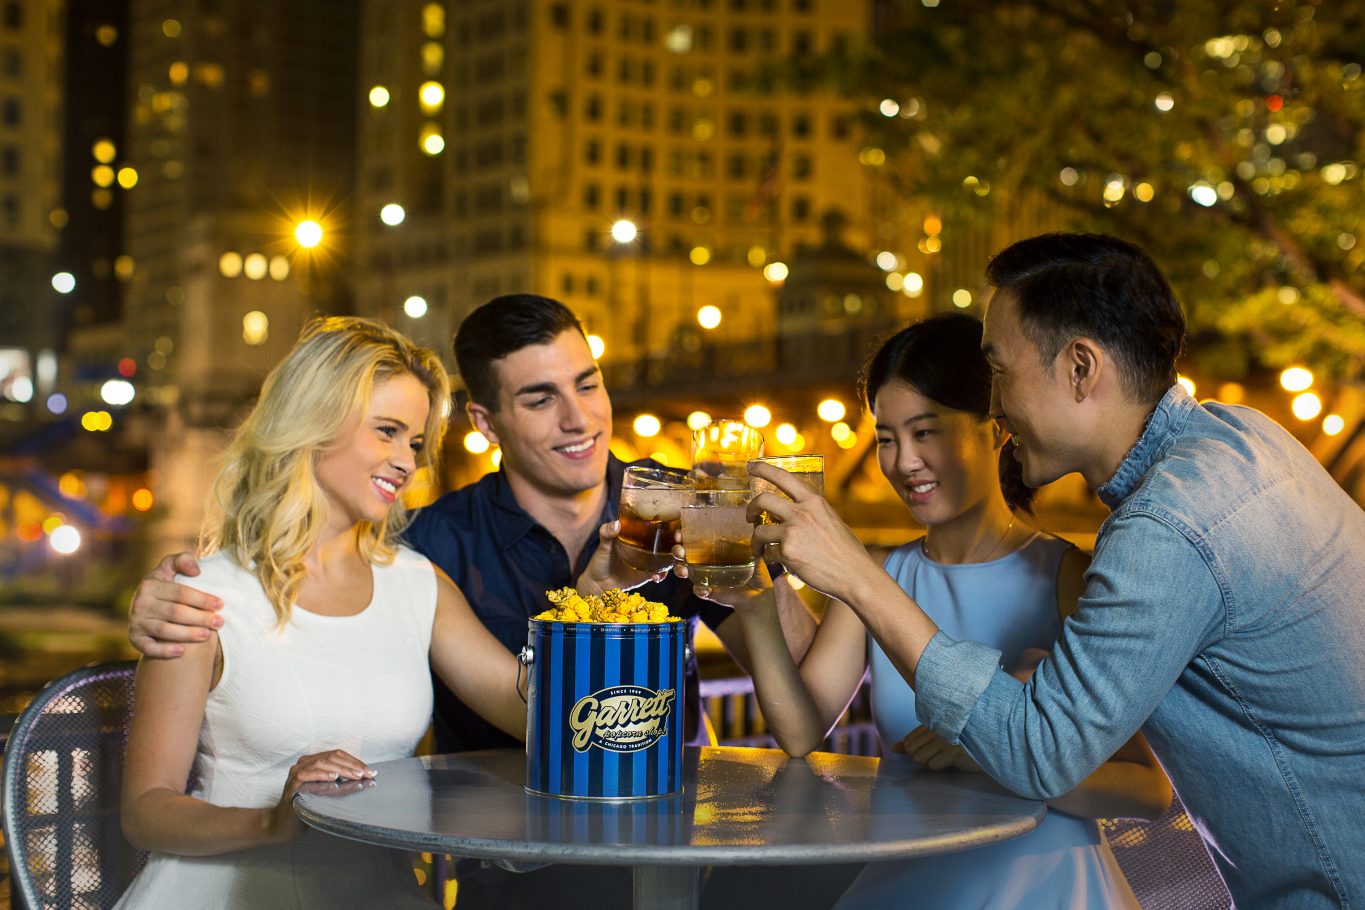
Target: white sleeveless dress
{"x":359,"y":683}
{"x":1065,"y":863}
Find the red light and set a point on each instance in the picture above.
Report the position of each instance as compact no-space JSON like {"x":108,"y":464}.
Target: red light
{"x":127,"y":367}
{"x":1274,"y":103}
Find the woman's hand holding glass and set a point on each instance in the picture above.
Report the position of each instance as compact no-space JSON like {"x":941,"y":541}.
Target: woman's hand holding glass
{"x":812,"y":540}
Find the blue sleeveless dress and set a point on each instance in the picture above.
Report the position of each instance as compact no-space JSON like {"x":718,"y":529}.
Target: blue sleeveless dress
{"x":1064,"y":864}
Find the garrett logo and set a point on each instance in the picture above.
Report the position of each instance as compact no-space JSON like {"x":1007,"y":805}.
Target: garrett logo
{"x":620,"y":718}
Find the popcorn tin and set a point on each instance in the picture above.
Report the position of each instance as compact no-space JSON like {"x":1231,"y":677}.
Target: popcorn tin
{"x":604,"y":708}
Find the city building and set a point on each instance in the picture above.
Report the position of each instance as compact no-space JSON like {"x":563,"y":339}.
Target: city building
{"x":239,"y":168}
{"x":32,"y":43}
{"x":639,"y":161}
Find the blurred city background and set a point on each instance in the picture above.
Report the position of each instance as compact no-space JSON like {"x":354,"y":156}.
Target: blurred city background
{"x":739,"y":197}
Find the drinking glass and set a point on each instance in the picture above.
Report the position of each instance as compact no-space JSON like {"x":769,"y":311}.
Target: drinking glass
{"x":718,"y":537}
{"x":721,"y":452}
{"x":809,"y":469}
{"x":650,"y":515}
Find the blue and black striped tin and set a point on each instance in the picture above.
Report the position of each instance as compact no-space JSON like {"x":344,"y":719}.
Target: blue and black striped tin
{"x":604,"y":709}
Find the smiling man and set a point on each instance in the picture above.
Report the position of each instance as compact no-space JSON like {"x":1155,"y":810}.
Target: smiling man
{"x":1222,"y":613}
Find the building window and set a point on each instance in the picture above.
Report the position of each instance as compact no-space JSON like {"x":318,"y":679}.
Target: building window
{"x":595,"y":21}
{"x":11,"y":112}
{"x":591,"y":241}
{"x":622,"y":155}
{"x":739,"y":41}
{"x":801,"y":167}
{"x":675,"y":204}
{"x":594,"y":64}
{"x":592,"y":196}
{"x":14,"y":15}
{"x":737,"y":166}
{"x":9,"y":210}
{"x":646,"y":200}
{"x":590,"y":286}
{"x":802,"y":43}
{"x":566,"y":284}
{"x":838,"y":127}
{"x":801,"y":126}
{"x":14,"y":63}
{"x":559,"y":15}
{"x":9,"y":161}
{"x":622,"y":199}
{"x":592,"y":108}
{"x":801,"y":208}
{"x":738,"y":123}
{"x":592,"y":151}
{"x":646,"y":159}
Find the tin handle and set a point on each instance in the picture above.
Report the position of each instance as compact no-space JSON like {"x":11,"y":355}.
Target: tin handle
{"x":525,"y":657}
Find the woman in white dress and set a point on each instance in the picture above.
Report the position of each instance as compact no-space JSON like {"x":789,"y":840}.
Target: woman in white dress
{"x":983,"y":574}
{"x":324,"y":667}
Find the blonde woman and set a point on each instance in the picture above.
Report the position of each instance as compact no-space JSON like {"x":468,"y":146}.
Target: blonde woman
{"x":323,"y":670}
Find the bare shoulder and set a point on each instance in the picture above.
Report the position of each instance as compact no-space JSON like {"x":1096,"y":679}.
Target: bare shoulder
{"x":199,"y":667}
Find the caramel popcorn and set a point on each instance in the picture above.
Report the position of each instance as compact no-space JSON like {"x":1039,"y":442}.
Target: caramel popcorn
{"x":614,"y":605}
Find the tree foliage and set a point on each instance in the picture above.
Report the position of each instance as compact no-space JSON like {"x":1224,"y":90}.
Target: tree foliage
{"x":1225,"y":137}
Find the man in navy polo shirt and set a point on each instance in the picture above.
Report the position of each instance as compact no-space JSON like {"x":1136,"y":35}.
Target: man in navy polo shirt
{"x":536,"y":391}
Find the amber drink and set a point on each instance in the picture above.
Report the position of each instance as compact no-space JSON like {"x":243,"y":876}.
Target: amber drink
{"x":718,"y":538}
{"x":651,"y":515}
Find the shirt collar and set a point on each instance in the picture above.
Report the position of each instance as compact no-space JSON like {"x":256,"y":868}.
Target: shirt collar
{"x":515,"y":522}
{"x":1163,"y":425}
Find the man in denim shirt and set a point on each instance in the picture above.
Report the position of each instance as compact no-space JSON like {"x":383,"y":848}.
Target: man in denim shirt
{"x":1223,"y":613}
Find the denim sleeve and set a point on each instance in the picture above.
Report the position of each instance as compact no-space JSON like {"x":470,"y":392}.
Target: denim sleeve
{"x":1151,"y":605}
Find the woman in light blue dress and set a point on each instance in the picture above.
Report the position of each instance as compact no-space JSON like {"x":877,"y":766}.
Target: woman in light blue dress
{"x":983,"y":574}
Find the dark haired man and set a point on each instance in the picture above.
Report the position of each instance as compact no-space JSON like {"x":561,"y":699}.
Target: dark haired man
{"x":534,"y":525}
{"x":1222,"y":613}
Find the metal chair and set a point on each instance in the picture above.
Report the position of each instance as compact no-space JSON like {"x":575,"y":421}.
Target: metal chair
{"x":62,"y":775}
{"x":1166,"y":862}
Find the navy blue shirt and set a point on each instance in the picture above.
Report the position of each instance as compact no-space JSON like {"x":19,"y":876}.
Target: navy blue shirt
{"x":504,"y":561}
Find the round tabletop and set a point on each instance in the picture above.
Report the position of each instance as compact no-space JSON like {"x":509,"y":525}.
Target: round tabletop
{"x":738,"y":807}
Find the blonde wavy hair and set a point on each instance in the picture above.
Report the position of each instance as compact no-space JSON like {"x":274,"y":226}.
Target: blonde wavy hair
{"x":267,"y":510}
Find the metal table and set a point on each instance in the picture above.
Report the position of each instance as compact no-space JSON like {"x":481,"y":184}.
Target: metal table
{"x":738,"y":807}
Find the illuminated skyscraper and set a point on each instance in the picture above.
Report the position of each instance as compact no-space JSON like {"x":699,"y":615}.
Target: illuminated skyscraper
{"x":31,"y":61}
{"x":241,"y":127}
{"x":616,"y":155}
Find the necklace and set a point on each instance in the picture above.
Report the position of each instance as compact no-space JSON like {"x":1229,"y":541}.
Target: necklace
{"x":1009,"y":527}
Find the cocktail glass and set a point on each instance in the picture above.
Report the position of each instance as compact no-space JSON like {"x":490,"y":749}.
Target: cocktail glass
{"x":650,"y":515}
{"x":718,"y":537}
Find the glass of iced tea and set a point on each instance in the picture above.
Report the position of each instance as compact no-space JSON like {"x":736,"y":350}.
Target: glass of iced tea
{"x":650,"y":515}
{"x":809,"y":469}
{"x":721,"y":452}
{"x":718,"y":537}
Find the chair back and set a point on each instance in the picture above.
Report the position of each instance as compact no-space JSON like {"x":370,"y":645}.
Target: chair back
{"x":1167,"y":863}
{"x":62,"y":777}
